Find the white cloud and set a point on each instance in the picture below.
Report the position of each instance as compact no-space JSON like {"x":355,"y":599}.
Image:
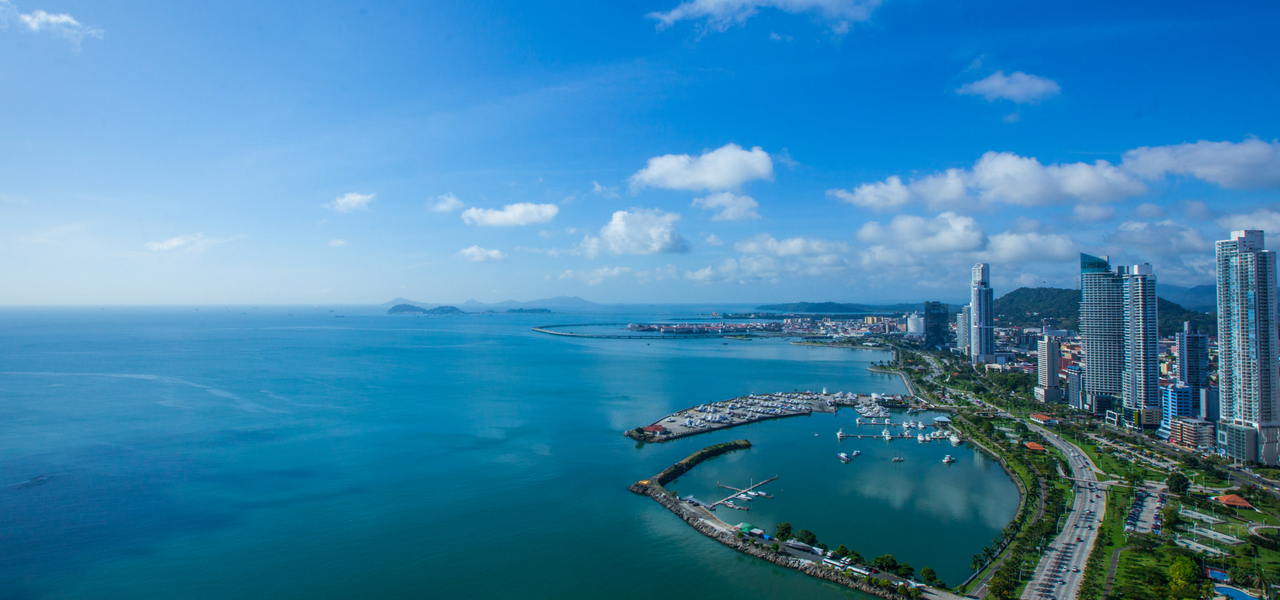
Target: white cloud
{"x":523,"y":213}
{"x":889,"y":194}
{"x":1092,"y":213}
{"x":61,"y":25}
{"x":1000,"y":178}
{"x":732,"y":207}
{"x":767,"y":258}
{"x":638,"y":231}
{"x":1148,"y":210}
{"x":478,"y":254}
{"x":946,"y":233}
{"x":351,"y":201}
{"x":337,"y":243}
{"x":668,"y":272}
{"x":724,"y":168}
{"x":607,"y":192}
{"x":720,"y":15}
{"x":595,"y":276}
{"x":1264,"y":219}
{"x":712,"y":240}
{"x":1164,"y":237}
{"x":1031,"y":246}
{"x":446,"y":202}
{"x":190,"y":243}
{"x":1018,"y":87}
{"x":1252,"y":163}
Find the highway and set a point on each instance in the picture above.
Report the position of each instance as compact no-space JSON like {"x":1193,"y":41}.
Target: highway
{"x":1061,"y":569}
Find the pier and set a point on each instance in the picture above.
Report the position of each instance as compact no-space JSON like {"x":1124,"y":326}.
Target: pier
{"x":736,"y":492}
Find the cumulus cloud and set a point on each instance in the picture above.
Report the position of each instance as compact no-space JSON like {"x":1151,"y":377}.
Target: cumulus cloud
{"x":1000,"y":178}
{"x":1092,"y":213}
{"x":337,"y":243}
{"x":60,"y":25}
{"x":1164,"y":237}
{"x":638,"y":231}
{"x":1148,"y":210}
{"x":1263,"y":218}
{"x":766,"y":257}
{"x":720,"y":15}
{"x":724,"y":168}
{"x":664,"y":273}
{"x":189,"y":243}
{"x":889,"y":194}
{"x":351,"y":201}
{"x":947,"y":232}
{"x":732,"y":207}
{"x":523,"y":213}
{"x":446,"y":202}
{"x":1018,"y":87}
{"x":478,"y":254}
{"x":1030,"y":246}
{"x":1252,"y":163}
{"x":595,"y":276}
{"x":712,"y":240}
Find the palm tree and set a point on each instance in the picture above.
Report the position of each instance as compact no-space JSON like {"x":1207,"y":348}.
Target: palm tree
{"x":976,"y":563}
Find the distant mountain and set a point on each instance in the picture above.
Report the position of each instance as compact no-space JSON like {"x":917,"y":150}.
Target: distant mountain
{"x":1027,"y":307}
{"x":409,"y":302}
{"x":401,"y":309}
{"x":1201,"y":297}
{"x":836,"y":307}
{"x":529,"y":311}
{"x":445,"y":310}
{"x":557,"y":302}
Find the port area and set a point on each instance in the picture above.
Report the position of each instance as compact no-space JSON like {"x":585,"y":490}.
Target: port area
{"x":752,"y":408}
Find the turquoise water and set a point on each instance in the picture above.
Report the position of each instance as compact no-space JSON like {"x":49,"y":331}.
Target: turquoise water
{"x":284,"y":452}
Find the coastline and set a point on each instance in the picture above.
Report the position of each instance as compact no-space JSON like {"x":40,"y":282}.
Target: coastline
{"x":911,"y":389}
{"x":711,"y":526}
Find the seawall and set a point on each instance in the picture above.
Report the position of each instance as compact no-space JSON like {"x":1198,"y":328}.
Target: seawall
{"x":714,"y":528}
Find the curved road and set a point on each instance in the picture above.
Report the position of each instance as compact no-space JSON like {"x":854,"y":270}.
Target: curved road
{"x":1061,"y":569}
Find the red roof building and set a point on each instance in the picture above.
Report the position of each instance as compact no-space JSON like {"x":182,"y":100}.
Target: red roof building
{"x":1234,"y":501}
{"x":1034,"y":447}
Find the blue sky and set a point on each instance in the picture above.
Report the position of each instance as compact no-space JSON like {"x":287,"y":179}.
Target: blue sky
{"x":639,"y":151}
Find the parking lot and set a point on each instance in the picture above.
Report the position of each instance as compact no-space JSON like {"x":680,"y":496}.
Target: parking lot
{"x":1144,"y":514}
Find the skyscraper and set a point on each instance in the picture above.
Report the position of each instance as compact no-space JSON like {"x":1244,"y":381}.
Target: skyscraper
{"x":936,"y":315}
{"x":1247,"y":349}
{"x":963,"y":327}
{"x":1049,"y":357}
{"x":1119,"y":339}
{"x":982,"y":336}
{"x":1193,"y":359}
{"x":1140,"y":386}
{"x":1101,"y":330}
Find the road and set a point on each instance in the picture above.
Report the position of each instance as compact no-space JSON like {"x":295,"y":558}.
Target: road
{"x":1061,"y":569}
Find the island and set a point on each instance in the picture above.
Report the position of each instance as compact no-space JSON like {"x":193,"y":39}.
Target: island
{"x":529,"y":311}
{"x":401,"y":309}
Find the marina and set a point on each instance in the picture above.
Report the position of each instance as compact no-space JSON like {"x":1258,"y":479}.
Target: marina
{"x":753,"y":408}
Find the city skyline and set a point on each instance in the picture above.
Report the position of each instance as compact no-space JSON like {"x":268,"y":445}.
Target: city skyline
{"x":653,"y":152}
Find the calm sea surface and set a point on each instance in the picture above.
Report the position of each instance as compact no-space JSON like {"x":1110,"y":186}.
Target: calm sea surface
{"x":289,"y":453}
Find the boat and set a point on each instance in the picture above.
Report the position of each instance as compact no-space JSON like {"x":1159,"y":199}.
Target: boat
{"x":743,"y":497}
{"x":898,"y":459}
{"x":920,"y":438}
{"x":955,"y":440}
{"x":887,"y":435}
{"x":843,"y":457}
{"x":856,"y":452}
{"x":840,"y":434}
{"x":949,"y":459}
{"x":859,"y":420}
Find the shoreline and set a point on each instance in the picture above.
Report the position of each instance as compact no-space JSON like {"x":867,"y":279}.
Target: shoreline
{"x":711,"y":526}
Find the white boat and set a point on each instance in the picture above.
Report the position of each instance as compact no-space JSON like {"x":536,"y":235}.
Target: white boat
{"x":949,"y":459}
{"x":859,"y":420}
{"x":856,"y":452}
{"x":886,"y":434}
{"x":840,"y":434}
{"x":955,"y":440}
{"x":898,"y":459}
{"x":843,"y":457}
{"x":743,"y":497}
{"x":920,"y":438}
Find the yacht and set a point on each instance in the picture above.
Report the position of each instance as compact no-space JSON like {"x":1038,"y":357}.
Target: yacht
{"x":955,"y":440}
{"x":949,"y":459}
{"x":856,"y":452}
{"x":920,"y":438}
{"x":898,"y":459}
{"x":843,"y":457}
{"x":887,"y":436}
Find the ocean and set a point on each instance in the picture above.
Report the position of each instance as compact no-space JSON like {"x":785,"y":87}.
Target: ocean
{"x":339,"y":452}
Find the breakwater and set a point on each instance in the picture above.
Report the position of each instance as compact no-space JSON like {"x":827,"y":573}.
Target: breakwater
{"x":707,"y":524}
{"x":548,"y":329}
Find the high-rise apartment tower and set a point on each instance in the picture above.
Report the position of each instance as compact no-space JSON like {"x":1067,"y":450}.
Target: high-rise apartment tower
{"x":982,"y":336}
{"x":1249,"y":398}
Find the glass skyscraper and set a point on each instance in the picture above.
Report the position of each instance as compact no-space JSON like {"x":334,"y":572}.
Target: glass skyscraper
{"x":1247,"y":349}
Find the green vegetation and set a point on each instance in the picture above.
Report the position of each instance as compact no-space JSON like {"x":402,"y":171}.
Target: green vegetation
{"x":1028,"y":307}
{"x":692,"y":460}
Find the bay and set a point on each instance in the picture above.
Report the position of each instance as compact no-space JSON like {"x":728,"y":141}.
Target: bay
{"x":337,"y":452}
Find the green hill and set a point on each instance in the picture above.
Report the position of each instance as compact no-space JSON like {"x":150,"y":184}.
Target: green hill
{"x":839,"y":308}
{"x":1027,"y":307}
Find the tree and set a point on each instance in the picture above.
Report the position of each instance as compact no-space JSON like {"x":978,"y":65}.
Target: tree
{"x":902,"y":588}
{"x":1178,"y":483}
{"x":842,"y":551}
{"x":782,"y":531}
{"x":928,"y":575}
{"x":885,"y":562}
{"x":855,"y":557}
{"x":774,"y":547}
{"x":806,"y":536}
{"x":906,"y":570}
